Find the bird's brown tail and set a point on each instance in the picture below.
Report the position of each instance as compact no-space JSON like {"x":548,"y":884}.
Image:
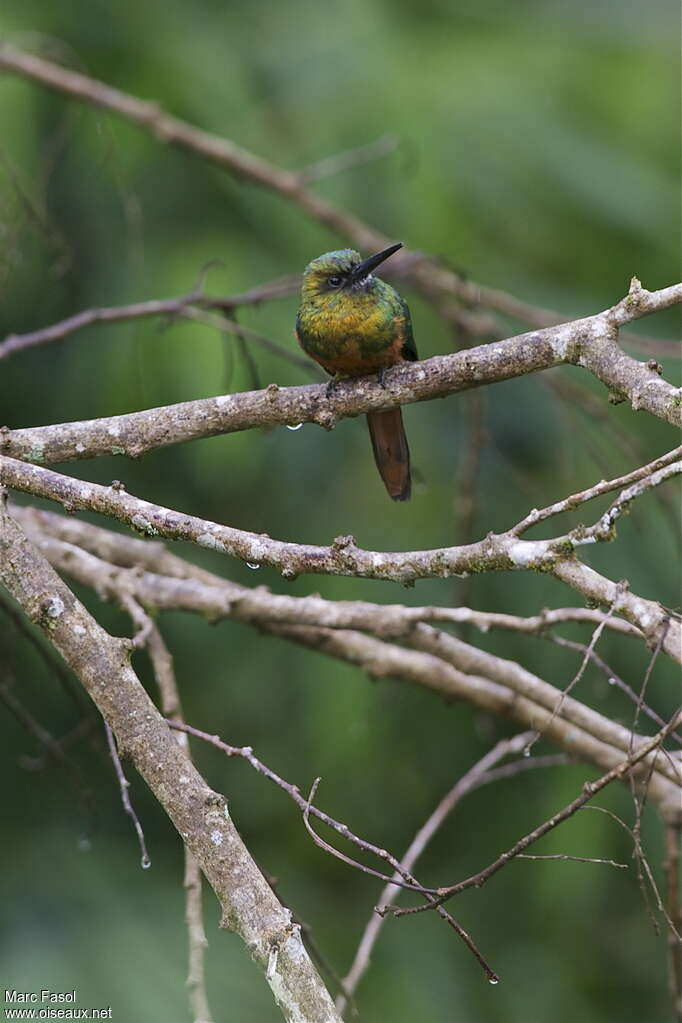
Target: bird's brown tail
{"x":391,"y":452}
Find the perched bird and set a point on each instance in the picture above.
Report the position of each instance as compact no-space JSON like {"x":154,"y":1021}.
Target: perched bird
{"x":354,"y":324}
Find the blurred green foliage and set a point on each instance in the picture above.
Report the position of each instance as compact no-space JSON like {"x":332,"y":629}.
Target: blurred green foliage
{"x":539,"y":154}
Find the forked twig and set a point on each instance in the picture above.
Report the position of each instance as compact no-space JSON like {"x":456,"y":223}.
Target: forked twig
{"x":409,"y":882}
{"x":590,"y":789}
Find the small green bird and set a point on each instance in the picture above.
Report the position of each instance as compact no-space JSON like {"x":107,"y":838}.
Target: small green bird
{"x":354,"y":324}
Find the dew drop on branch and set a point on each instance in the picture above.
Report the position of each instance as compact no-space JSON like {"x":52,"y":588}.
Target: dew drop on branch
{"x":252,"y":565}
{"x":297,"y":427}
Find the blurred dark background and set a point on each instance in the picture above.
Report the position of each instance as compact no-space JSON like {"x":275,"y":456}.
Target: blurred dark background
{"x":538,"y":153}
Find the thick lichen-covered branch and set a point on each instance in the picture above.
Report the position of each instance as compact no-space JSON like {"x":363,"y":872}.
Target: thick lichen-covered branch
{"x":160,"y":580}
{"x":172,"y":582}
{"x":497,"y":552}
{"x":384,"y":660}
{"x":102,"y":663}
{"x":590,"y":343}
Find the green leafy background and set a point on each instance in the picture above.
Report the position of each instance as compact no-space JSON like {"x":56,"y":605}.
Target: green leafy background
{"x":539,"y":154}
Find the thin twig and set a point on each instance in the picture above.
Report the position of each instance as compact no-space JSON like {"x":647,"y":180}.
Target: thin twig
{"x":639,"y":798}
{"x":581,"y":670}
{"x":80,"y":730}
{"x":590,"y":789}
{"x":641,"y":858}
{"x":246,"y":752}
{"x":647,"y":674}
{"x":330,"y":166}
{"x":381,"y":853}
{"x":408,"y":881}
{"x":478,"y":775}
{"x":54,"y":664}
{"x":671,"y":864}
{"x":431,"y":277}
{"x":228,"y":325}
{"x":164,"y":673}
{"x":124,"y":785}
{"x":573,"y":859}
{"x":613,"y":679}
{"x":45,"y":738}
{"x":603,"y":487}
{"x":188,"y":306}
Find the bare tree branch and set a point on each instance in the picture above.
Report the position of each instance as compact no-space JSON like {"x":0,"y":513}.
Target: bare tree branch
{"x":164,"y":673}
{"x":476,"y":776}
{"x":590,"y":343}
{"x":497,"y":552}
{"x":577,"y":728}
{"x":404,"y":880}
{"x":165,"y":307}
{"x":383,"y":660}
{"x":137,"y":574}
{"x":329,"y":166}
{"x":53,"y":746}
{"x":603,"y":487}
{"x":199,"y":814}
{"x":589,"y":650}
{"x":621,"y":770}
{"x":613,"y":679}
{"x":214,"y":597}
{"x":573,"y":859}
{"x":452,"y":668}
{"x":550,"y":702}
{"x":435,"y":281}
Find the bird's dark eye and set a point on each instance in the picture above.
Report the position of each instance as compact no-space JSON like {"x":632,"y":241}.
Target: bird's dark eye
{"x":335,"y":281}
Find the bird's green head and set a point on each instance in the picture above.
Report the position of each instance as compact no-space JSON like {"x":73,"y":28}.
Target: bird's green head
{"x":340,"y":272}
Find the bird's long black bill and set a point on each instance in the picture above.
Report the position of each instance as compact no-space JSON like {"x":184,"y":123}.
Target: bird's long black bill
{"x":365,"y":268}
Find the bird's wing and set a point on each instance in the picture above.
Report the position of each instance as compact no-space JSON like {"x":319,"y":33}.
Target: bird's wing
{"x":409,"y":349}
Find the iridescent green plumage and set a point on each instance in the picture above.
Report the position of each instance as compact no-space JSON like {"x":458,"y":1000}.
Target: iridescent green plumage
{"x":353,"y":324}
{"x":358,"y":327}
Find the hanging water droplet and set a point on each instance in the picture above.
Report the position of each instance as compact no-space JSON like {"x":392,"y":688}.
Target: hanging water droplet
{"x":612,"y":681}
{"x":297,"y":427}
{"x":494,"y":980}
{"x":252,"y":565}
{"x":145,"y":862}
{"x":526,"y":751}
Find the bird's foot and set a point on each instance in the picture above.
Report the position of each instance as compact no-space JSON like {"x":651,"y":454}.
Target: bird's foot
{"x":334,"y":382}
